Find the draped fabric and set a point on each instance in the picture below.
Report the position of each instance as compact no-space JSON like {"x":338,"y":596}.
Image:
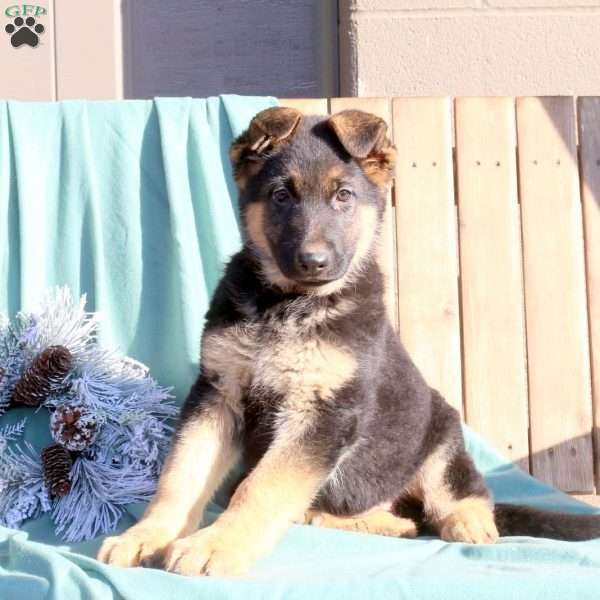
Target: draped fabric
{"x":130,"y":202}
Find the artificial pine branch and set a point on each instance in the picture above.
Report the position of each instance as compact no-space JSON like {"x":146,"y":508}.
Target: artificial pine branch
{"x":110,"y":419}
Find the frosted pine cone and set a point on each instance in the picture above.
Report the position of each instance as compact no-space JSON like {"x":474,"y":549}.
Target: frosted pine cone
{"x":73,"y":427}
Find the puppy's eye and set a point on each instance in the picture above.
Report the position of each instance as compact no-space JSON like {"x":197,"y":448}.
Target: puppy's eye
{"x":280,"y":196}
{"x":344,"y":195}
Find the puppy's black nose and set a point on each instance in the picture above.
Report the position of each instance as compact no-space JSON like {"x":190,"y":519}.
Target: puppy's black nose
{"x":312,"y":262}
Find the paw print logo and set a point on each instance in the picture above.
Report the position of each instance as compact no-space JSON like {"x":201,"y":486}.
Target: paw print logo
{"x":24,"y":32}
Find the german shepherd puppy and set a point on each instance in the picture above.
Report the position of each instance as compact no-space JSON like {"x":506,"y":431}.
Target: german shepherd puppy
{"x":303,"y":377}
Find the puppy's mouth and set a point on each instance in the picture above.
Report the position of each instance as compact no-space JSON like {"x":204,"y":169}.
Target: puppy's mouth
{"x":315,"y":282}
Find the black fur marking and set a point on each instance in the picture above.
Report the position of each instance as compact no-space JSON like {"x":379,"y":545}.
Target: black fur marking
{"x":525,"y":520}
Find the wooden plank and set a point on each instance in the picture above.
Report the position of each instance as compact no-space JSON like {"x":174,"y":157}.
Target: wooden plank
{"x":589,"y":143}
{"x":309,"y":106}
{"x":426,"y":241}
{"x":387,"y":257}
{"x":591,"y":499}
{"x":89,"y":59}
{"x":28,"y":72}
{"x":493,"y":328}
{"x":555,"y":299}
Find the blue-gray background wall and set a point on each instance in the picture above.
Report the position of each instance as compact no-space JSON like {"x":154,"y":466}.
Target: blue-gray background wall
{"x":205,"y":47}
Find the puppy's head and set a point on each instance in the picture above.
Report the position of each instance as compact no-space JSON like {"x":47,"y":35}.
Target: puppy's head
{"x":312,"y":194}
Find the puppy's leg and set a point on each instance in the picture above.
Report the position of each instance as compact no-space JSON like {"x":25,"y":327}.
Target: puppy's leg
{"x":203,"y":452}
{"x":378,"y":520}
{"x":455,"y":499}
{"x":280,"y":487}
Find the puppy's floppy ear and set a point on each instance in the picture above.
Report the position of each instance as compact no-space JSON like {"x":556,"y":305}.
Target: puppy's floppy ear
{"x":363,"y":137}
{"x":267,"y":129}
{"x":359,"y":132}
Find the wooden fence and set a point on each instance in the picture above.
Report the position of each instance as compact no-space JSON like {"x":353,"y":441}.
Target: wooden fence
{"x":492,"y":254}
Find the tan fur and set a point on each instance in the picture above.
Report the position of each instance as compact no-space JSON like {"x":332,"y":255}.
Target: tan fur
{"x":379,"y":520}
{"x":379,"y":167}
{"x":243,"y":171}
{"x":429,"y":486}
{"x":271,"y":274}
{"x":332,"y":178}
{"x":268,"y":128}
{"x":328,"y":183}
{"x":287,"y":358}
{"x":229,"y":355}
{"x":363,"y":135}
{"x":466,"y":520}
{"x":471,"y":521}
{"x":198,"y":462}
{"x":303,"y":369}
{"x":281,"y":486}
{"x":297,"y":179}
{"x":255,"y":228}
{"x":335,"y":173}
{"x":360,"y":133}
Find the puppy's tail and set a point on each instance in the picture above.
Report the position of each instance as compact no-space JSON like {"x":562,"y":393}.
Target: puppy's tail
{"x":525,"y":520}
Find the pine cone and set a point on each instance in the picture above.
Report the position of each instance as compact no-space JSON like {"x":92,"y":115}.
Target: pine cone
{"x":56,"y":464}
{"x":73,"y":427}
{"x":30,"y":390}
{"x":53,"y":363}
{"x":48,"y":369}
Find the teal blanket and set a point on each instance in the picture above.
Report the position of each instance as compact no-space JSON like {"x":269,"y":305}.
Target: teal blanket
{"x":133,"y":203}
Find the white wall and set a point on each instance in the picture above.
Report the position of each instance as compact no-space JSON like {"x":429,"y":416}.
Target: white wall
{"x":470,"y":47}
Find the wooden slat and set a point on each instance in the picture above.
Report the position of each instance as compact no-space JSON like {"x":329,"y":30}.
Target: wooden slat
{"x":89,"y":57}
{"x":426,"y":241}
{"x":589,"y":142}
{"x":555,"y":299}
{"x":381,"y":108}
{"x":309,"y":106}
{"x":495,"y":376}
{"x":28,"y":73}
{"x":591,"y":499}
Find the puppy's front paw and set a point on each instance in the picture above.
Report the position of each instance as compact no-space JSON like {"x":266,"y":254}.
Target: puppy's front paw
{"x":142,"y":544}
{"x":472,"y":523}
{"x":216,"y":550}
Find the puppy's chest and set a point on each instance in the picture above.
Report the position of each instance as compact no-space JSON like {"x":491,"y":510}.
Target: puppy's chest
{"x":280,"y":357}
